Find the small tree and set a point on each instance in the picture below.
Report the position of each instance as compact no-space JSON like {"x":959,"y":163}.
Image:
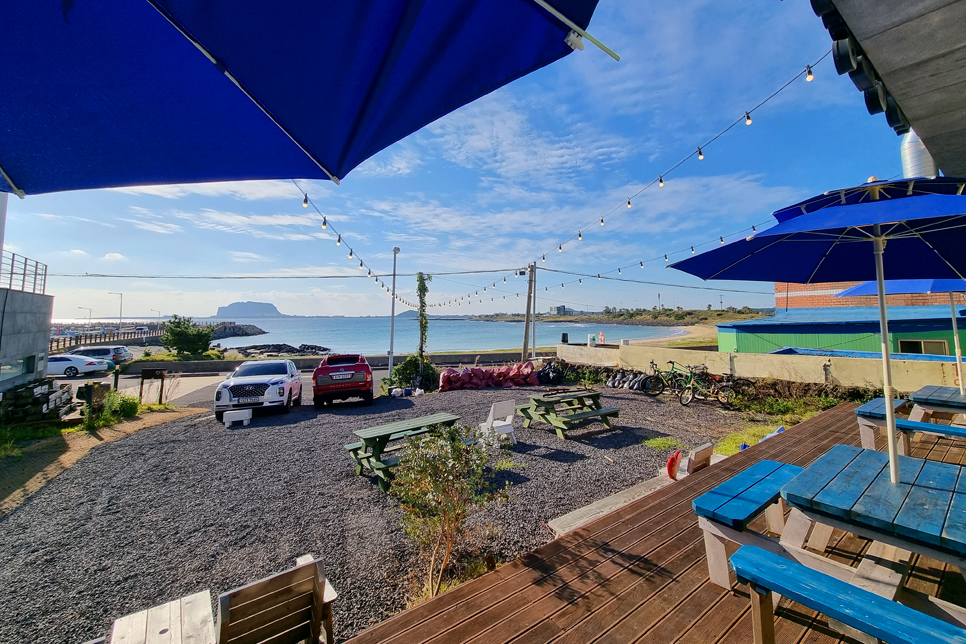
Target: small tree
{"x":438,"y":482}
{"x":421,"y":291}
{"x":182,"y":336}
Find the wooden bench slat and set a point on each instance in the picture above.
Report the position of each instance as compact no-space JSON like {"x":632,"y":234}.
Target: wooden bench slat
{"x":875,"y":408}
{"x":288,"y":600}
{"x":803,"y":488}
{"x":269,"y":599}
{"x":851,"y":605}
{"x":883,"y":499}
{"x":267,"y":586}
{"x":934,"y":489}
{"x":385,"y":463}
{"x":591,"y":413}
{"x":905,"y":425}
{"x":284,"y":623}
{"x":407,"y":425}
{"x":954,"y":532}
{"x":744,"y":507}
{"x":295,"y":636}
{"x":706,"y":504}
{"x":846,"y":488}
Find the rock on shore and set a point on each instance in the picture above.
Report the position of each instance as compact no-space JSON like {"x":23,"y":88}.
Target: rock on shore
{"x":236,"y":331}
{"x":281,"y":350}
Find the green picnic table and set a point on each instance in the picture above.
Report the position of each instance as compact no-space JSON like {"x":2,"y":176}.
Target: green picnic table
{"x":370,"y":451}
{"x":574,"y":406}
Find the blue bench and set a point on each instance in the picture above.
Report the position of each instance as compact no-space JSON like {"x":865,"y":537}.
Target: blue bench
{"x":725,"y":512}
{"x":872,"y":415}
{"x":766,"y":572}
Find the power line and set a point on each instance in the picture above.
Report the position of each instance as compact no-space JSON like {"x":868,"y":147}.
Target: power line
{"x":625,"y":279}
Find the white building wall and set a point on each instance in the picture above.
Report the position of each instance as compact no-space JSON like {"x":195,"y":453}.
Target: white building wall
{"x":24,"y":336}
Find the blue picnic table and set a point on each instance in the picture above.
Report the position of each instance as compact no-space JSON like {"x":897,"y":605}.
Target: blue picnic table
{"x":936,"y":399}
{"x":849,"y":488}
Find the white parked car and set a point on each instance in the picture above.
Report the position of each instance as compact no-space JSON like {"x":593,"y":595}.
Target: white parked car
{"x":118,"y":355}
{"x":71,"y":365}
{"x":260,"y":383}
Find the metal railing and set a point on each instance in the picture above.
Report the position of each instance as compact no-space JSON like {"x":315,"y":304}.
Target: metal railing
{"x":19,"y":273}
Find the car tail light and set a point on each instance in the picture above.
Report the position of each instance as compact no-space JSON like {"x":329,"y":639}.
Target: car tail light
{"x":91,"y":364}
{"x":368,"y":376}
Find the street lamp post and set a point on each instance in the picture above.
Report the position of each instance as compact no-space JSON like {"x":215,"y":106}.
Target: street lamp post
{"x":159,"y":317}
{"x":120,"y":312}
{"x":88,"y":314}
{"x":392,"y":315}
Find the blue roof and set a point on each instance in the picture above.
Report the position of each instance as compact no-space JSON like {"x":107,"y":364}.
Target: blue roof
{"x":116,"y":93}
{"x":848,"y":315}
{"x":833,"y":353}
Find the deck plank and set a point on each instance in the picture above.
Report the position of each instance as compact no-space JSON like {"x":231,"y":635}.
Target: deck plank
{"x":639,"y":574}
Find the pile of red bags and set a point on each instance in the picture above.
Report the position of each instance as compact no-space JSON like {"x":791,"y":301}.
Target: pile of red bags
{"x":476,"y":378}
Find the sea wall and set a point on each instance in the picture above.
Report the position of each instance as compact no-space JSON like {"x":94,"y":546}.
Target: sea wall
{"x":907,"y":375}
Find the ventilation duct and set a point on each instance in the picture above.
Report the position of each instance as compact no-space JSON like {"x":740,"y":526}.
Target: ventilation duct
{"x":916,"y":160}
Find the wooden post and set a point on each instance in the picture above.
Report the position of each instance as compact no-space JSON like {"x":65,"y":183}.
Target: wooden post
{"x":762,"y":615}
{"x":161,"y":390}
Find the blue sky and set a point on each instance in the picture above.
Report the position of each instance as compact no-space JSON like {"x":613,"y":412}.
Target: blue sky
{"x":502,"y":181}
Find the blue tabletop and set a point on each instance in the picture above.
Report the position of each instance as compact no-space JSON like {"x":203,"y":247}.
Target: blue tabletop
{"x":928,"y":505}
{"x":942,"y":396}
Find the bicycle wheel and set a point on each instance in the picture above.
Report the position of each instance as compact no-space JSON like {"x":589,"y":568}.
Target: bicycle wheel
{"x":653,"y":386}
{"x":726,"y":395}
{"x":687,"y":396}
{"x":745,"y":388}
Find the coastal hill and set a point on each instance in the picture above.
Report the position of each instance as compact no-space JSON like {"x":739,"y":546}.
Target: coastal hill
{"x":249,"y":310}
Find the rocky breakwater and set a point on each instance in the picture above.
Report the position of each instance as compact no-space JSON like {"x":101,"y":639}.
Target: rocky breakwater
{"x":236,"y":331}
{"x":280,"y":351}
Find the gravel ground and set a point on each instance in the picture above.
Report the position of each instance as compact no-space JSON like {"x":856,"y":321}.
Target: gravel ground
{"x":190,"y":505}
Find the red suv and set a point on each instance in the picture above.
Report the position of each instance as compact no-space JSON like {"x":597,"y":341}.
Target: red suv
{"x":341,"y":377}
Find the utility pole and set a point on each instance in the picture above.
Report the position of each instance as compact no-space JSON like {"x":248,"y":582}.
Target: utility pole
{"x":533,"y":319}
{"x":526,"y":319}
{"x":659,"y":302}
{"x":392,"y":315}
{"x":120,"y":312}
{"x":720,"y":302}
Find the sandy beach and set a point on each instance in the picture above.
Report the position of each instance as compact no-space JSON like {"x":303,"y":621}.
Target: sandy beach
{"x":686,"y":335}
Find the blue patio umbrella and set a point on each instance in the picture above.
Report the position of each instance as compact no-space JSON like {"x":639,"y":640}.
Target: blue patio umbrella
{"x":907,"y":287}
{"x":842,"y":235}
{"x":127,"y":92}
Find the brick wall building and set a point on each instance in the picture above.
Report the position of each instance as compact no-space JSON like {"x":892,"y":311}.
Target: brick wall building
{"x":810,"y":296}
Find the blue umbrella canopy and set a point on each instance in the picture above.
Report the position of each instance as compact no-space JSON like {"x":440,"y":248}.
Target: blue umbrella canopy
{"x":906,"y":287}
{"x":122,"y":92}
{"x":827,"y":239}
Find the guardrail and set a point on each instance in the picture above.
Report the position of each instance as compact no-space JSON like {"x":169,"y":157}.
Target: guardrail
{"x":19,"y":273}
{"x":59,"y":345}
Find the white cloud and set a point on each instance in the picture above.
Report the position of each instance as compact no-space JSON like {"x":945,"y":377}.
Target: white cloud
{"x":113,"y":257}
{"x":283,"y":226}
{"x":52,"y":217}
{"x":76,"y":253}
{"x":400,"y":163}
{"x":10,"y":248}
{"x":164,"y":228}
{"x":243,"y":190}
{"x":242,"y":257}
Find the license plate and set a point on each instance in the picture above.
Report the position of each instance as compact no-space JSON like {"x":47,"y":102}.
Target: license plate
{"x":341,"y":376}
{"x":249,"y":400}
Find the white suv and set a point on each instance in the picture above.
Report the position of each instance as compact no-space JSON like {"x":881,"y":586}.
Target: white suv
{"x":117,"y":355}
{"x":260,"y":383}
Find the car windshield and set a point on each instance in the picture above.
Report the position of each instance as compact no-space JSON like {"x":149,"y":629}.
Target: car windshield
{"x":337,"y":360}
{"x":269,"y":369}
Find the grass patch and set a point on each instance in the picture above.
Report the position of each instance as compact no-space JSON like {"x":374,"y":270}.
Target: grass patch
{"x":731,"y":444}
{"x":211,"y":354}
{"x":506,"y":464}
{"x":156,"y":407}
{"x":663,"y":443}
{"x":692,"y":342}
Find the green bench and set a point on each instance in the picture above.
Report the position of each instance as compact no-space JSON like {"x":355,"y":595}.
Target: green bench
{"x":887,"y":620}
{"x":575,"y":406}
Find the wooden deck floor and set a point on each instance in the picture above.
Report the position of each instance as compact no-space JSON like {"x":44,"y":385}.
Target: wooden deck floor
{"x":639,"y":574}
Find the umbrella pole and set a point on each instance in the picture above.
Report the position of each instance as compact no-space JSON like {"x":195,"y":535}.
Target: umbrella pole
{"x":959,"y":353}
{"x":886,"y":366}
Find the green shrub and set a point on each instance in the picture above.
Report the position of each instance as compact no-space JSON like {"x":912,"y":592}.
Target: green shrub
{"x":403,"y":374}
{"x":184,"y":336}
{"x":128,"y":406}
{"x":214,"y":354}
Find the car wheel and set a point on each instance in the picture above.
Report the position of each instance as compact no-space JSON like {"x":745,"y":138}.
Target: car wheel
{"x":298,"y":399}
{"x":220,"y":416}
{"x":318,"y":403}
{"x":288,"y":404}
{"x":367,"y":398}
{"x":70,"y":372}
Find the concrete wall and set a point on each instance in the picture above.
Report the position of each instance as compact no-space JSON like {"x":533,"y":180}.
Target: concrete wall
{"x":24,"y":333}
{"x":907,"y":375}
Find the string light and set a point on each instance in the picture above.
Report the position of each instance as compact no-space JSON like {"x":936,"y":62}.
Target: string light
{"x":338,"y":242}
{"x":561,"y":285}
{"x":660,"y":181}
{"x":598,"y":277}
{"x":601,"y":221}
{"x":642,"y":264}
{"x":747,"y":118}
{"x":628,"y":202}
{"x":350,"y":253}
{"x":754,"y":230}
{"x":580,"y":281}
{"x":619,"y":272}
{"x":560,"y":248}
{"x":666,"y":259}
{"x":809,"y":76}
{"x":580,"y":236}
{"x":700,"y":153}
{"x":361,"y":265}
{"x":722,"y":239}
{"x":504,"y":280}
{"x":305,"y":202}
{"x":544,"y":258}
{"x":325,"y":223}
{"x":692,"y":250}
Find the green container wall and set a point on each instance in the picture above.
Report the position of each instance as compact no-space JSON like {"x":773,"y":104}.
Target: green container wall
{"x":734,"y":341}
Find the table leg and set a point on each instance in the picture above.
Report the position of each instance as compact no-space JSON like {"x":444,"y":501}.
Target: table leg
{"x":762,"y":614}
{"x":867,"y":431}
{"x":919,"y":414}
{"x":714,"y":548}
{"x":775,"y":516}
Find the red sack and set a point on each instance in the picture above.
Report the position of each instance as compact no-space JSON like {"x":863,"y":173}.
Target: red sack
{"x":527,"y":368}
{"x":507,"y":383}
{"x":515,"y":370}
{"x":533,"y":380}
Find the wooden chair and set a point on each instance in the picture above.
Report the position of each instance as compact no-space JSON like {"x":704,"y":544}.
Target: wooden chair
{"x":500,"y":421}
{"x":290,"y":607}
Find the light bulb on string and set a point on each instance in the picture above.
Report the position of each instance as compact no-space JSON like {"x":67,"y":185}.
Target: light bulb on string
{"x":561,"y":285}
{"x":628,"y":202}
{"x":544,"y":258}
{"x":747,"y":118}
{"x":580,"y":281}
{"x":754,"y":230}
{"x":350,"y":253}
{"x":546,"y":289}
{"x":598,"y":277}
{"x":580,"y":236}
{"x":692,"y":250}
{"x":809,"y":76}
{"x":722,"y":239}
{"x":325,"y":223}
{"x":361,"y":265}
{"x":338,"y":242}
{"x":666,"y":259}
{"x":700,"y":153}
{"x":369,"y":273}
{"x":305,"y":201}
{"x":642,"y":264}
{"x":504,"y":280}
{"x":560,"y":248}
{"x":601,"y":221}
{"x":660,"y":181}
{"x":619,"y":272}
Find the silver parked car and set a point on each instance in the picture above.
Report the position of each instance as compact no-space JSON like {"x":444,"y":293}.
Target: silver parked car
{"x":258,"y":384}
{"x":117,"y":355}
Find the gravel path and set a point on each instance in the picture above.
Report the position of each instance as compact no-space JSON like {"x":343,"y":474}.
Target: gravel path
{"x":190,"y":505}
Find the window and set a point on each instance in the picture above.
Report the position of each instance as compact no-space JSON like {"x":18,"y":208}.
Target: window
{"x":30,"y":364}
{"x":931,"y":347}
{"x":11,"y":369}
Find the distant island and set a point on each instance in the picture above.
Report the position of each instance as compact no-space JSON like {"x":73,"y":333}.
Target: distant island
{"x":250,"y":310}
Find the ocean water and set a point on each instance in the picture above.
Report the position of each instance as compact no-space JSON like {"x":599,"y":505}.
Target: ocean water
{"x":371,"y":335}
